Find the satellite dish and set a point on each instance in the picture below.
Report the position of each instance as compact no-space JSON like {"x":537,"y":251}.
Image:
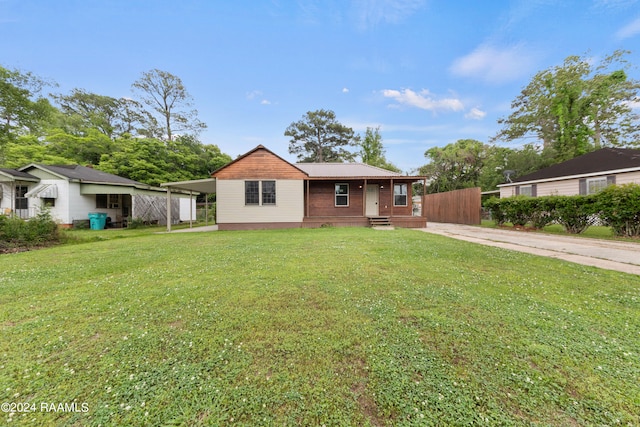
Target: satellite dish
{"x":507,"y":175}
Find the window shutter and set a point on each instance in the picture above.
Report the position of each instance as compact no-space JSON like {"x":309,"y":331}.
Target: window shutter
{"x":611,"y":180}
{"x":534,"y":190}
{"x":583,"y":187}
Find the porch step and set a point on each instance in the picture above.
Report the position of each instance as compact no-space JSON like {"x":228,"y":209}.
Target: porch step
{"x":377,"y":221}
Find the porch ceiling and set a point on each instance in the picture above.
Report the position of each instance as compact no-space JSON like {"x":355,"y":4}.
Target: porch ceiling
{"x":207,"y":185}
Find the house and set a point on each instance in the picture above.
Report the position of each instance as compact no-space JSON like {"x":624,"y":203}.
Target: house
{"x":262,"y":190}
{"x":71,"y":192}
{"x":586,"y":174}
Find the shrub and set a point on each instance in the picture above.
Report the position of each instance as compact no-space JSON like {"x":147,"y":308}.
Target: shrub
{"x":572,"y":212}
{"x":494,"y":206}
{"x":619,"y":208}
{"x":16,"y":232}
{"x":517,"y":210}
{"x":541,"y":213}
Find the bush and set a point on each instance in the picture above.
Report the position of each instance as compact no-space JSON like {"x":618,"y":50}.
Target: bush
{"x":16,"y":232}
{"x":619,"y":208}
{"x":494,"y":206}
{"x":542,"y":212}
{"x":572,"y":212}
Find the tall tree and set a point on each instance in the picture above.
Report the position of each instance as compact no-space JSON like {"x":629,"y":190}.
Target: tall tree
{"x":455,"y":166}
{"x":577,"y":107}
{"x":319,"y":137}
{"x":372,"y":150}
{"x":165,"y":94}
{"x":22,"y":109}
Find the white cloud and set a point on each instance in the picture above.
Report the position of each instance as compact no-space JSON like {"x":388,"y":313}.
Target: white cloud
{"x":345,"y":90}
{"x":254,"y":94}
{"x":370,"y":13}
{"x":423,"y":100}
{"x":475,"y":114}
{"x":265,"y":102}
{"x":495,"y":65}
{"x":629,"y":30}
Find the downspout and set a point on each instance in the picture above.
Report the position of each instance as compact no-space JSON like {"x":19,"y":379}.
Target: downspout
{"x":168,"y":209}
{"x":190,"y":208}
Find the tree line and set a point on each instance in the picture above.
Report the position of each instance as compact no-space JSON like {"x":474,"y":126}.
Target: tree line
{"x":151,"y":137}
{"x":565,"y":111}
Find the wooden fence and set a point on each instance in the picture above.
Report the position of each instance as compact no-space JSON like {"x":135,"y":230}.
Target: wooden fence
{"x":457,"y":207}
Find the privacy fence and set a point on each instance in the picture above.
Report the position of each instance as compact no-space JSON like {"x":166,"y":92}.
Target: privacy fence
{"x":457,"y":207}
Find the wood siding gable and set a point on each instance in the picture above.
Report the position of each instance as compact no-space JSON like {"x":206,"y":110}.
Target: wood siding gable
{"x":259,"y":163}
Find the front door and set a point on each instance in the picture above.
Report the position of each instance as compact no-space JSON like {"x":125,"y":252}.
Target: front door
{"x":373,"y":196}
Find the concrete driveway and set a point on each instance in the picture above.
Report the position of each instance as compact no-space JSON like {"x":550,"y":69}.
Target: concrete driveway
{"x":611,"y":255}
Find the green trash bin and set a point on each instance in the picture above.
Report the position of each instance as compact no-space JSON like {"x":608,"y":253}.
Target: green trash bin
{"x":97,"y":220}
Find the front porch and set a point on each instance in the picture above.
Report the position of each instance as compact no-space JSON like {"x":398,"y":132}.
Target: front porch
{"x":362,"y":202}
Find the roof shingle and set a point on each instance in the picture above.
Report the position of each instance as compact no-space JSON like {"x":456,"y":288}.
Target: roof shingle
{"x":603,"y":160}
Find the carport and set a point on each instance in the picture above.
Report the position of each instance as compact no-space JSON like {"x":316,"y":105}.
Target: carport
{"x":199,"y":186}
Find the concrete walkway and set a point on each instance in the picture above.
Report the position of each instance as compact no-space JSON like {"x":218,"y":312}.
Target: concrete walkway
{"x":607,"y":254}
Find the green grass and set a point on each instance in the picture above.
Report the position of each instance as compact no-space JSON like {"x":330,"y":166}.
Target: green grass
{"x":310,"y":327}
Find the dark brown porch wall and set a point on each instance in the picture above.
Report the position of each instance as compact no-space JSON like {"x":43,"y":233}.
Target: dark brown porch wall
{"x":322,"y":199}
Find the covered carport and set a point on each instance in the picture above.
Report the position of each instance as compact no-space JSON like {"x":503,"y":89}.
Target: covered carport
{"x":199,"y":186}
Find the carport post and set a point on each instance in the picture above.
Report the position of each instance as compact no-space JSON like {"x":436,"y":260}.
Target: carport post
{"x":190,"y":209}
{"x":168,"y":209}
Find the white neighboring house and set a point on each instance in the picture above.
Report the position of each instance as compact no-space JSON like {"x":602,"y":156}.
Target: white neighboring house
{"x":71,"y":192}
{"x":586,"y":174}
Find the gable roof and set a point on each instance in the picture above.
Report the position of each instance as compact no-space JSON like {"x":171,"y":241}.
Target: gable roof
{"x":260,"y":147}
{"x":16,"y":175}
{"x":345,"y":170}
{"x":84,"y":174}
{"x":594,"y":163}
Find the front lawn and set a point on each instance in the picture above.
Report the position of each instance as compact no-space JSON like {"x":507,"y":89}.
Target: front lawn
{"x":336,"y":326}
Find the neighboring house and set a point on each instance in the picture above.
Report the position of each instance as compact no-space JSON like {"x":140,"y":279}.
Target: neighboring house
{"x":586,"y":174}
{"x":71,"y":192}
{"x":262,"y":190}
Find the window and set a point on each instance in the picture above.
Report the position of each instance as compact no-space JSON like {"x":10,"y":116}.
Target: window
{"x":342,"y":194}
{"x":400,"y":194}
{"x":252,"y":192}
{"x":49,"y":202}
{"x":21,"y":200}
{"x":526,"y":190}
{"x":101,"y":201}
{"x":259,"y":193}
{"x":595,"y":185}
{"x":268,"y":192}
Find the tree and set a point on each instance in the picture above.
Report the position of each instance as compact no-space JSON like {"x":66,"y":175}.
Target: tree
{"x":372,"y":151}
{"x":165,"y":94}
{"x":111,"y":116}
{"x":454,"y":166}
{"x":319,"y":137}
{"x":22,"y":109}
{"x":576,"y":107}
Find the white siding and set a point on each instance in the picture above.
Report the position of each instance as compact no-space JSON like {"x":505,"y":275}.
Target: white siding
{"x":628,"y":178}
{"x":185,"y":202}
{"x":569,"y":187}
{"x":231,"y":209}
{"x":80,"y":204}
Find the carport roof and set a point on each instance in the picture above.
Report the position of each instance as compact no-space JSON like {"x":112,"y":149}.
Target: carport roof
{"x":207,"y":185}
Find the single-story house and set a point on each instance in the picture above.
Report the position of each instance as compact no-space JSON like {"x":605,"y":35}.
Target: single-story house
{"x":71,"y":192}
{"x":262,"y":190}
{"x":586,"y":174}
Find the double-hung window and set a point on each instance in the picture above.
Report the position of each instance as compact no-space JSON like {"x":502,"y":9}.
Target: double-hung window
{"x":400,"y":194}
{"x":259,"y":193}
{"x":595,"y":185}
{"x":342,"y":194}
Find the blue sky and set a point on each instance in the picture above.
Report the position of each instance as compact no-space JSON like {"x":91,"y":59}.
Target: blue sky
{"x":426,"y":72}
